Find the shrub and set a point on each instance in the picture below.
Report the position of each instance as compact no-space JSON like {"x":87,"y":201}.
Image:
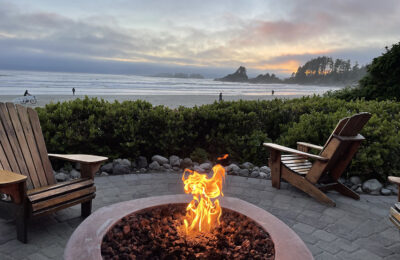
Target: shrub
{"x":133,"y":128}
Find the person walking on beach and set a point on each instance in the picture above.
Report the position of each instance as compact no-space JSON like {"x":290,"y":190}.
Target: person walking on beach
{"x":272,"y":92}
{"x":73,"y":91}
{"x":26,"y":93}
{"x":220,"y":96}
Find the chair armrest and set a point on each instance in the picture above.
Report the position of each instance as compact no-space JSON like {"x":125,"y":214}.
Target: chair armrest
{"x":80,"y":158}
{"x":7,"y":177}
{"x":394,"y":179}
{"x":294,"y":151}
{"x":13,"y":184}
{"x":313,"y":146}
{"x":90,"y":164}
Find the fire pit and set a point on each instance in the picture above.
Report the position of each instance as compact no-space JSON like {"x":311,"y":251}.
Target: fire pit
{"x":166,"y":228}
{"x":86,"y":241}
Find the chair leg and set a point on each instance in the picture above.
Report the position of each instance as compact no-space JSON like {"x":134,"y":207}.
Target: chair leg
{"x":22,"y":223}
{"x":342,"y":189}
{"x":306,"y":186}
{"x":275,"y":166}
{"x":86,"y":208}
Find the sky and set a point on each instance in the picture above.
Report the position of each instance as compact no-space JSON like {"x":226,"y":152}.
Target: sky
{"x":208,"y":37}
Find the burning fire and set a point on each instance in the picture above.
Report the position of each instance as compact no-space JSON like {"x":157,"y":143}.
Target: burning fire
{"x":202,"y":214}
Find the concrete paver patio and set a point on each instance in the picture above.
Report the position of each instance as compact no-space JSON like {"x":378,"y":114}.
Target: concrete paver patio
{"x":351,"y":230}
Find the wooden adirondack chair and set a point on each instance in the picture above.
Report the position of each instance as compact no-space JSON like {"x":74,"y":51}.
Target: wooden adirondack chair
{"x":26,"y":174}
{"x":323,"y":173}
{"x":395,"y":210}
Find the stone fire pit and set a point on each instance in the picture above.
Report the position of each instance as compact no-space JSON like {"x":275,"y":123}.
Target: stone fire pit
{"x":85,"y":242}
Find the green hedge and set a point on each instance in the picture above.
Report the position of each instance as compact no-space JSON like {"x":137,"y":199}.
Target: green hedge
{"x":130,"y":129}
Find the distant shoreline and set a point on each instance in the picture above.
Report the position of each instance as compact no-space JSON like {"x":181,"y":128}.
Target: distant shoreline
{"x":172,"y":101}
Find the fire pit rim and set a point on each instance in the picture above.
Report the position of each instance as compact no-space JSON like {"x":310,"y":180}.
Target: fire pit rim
{"x":85,"y":242}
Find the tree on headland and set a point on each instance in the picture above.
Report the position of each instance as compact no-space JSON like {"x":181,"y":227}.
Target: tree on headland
{"x":382,"y":80}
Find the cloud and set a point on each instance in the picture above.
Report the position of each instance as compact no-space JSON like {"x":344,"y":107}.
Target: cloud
{"x":263,"y":35}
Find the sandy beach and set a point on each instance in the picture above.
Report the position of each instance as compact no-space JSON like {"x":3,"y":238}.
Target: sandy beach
{"x":172,"y":101}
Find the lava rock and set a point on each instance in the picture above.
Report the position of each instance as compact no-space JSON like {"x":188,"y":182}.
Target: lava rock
{"x":174,"y":160}
{"x":255,"y":174}
{"x":265,"y":169}
{"x":247,"y":165}
{"x":154,"y":166}
{"x":206,"y":166}
{"x":160,"y":159}
{"x":108,"y":167}
{"x":372,"y":187}
{"x":186,"y":163}
{"x":75,"y":174}
{"x":355,"y":180}
{"x":61,"y":176}
{"x":121,"y":169}
{"x":167,"y":166}
{"x":141,"y":162}
{"x":244,"y":172}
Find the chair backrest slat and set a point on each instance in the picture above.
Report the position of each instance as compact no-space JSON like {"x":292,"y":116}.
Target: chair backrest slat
{"x":355,"y":124}
{"x":41,"y":145}
{"x":20,"y":150}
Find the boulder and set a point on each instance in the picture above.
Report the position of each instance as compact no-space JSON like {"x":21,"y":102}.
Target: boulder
{"x":159,"y":159}
{"x":244,"y":172}
{"x":64,"y":170}
{"x":75,"y":174}
{"x":60,"y":176}
{"x":120,"y":168}
{"x":141,"y":162}
{"x":393,"y":188}
{"x":174,"y":160}
{"x":233,"y":169}
{"x":359,"y":190}
{"x":199,"y":169}
{"x":372,"y":187}
{"x":355,"y":180}
{"x":125,"y":162}
{"x":142,"y":170}
{"x":265,"y":169}
{"x":247,"y":165}
{"x":386,"y":192}
{"x":77,"y":166}
{"x":176,"y":168}
{"x":103,"y":174}
{"x":154,"y":166}
{"x":196,"y":164}
{"x":206,"y":166}
{"x":355,"y":186}
{"x":108,"y":167}
{"x":186,"y":163}
{"x":255,"y":174}
{"x":167,"y":166}
{"x":256,"y":168}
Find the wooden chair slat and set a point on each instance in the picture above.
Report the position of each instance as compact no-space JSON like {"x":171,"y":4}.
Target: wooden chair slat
{"x":64,"y":205}
{"x":41,"y":146}
{"x":33,"y":181}
{"x":54,"y":186}
{"x":30,"y":139}
{"x":295,"y":161}
{"x":19,"y":132}
{"x":58,"y":191}
{"x":297,"y":164}
{"x":63,"y":198}
{"x":3,"y":158}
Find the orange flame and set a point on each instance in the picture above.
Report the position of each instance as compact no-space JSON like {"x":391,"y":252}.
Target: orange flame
{"x":223,"y":157}
{"x":202,"y":214}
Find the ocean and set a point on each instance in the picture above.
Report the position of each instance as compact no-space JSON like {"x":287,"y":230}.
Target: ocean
{"x":61,"y":83}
